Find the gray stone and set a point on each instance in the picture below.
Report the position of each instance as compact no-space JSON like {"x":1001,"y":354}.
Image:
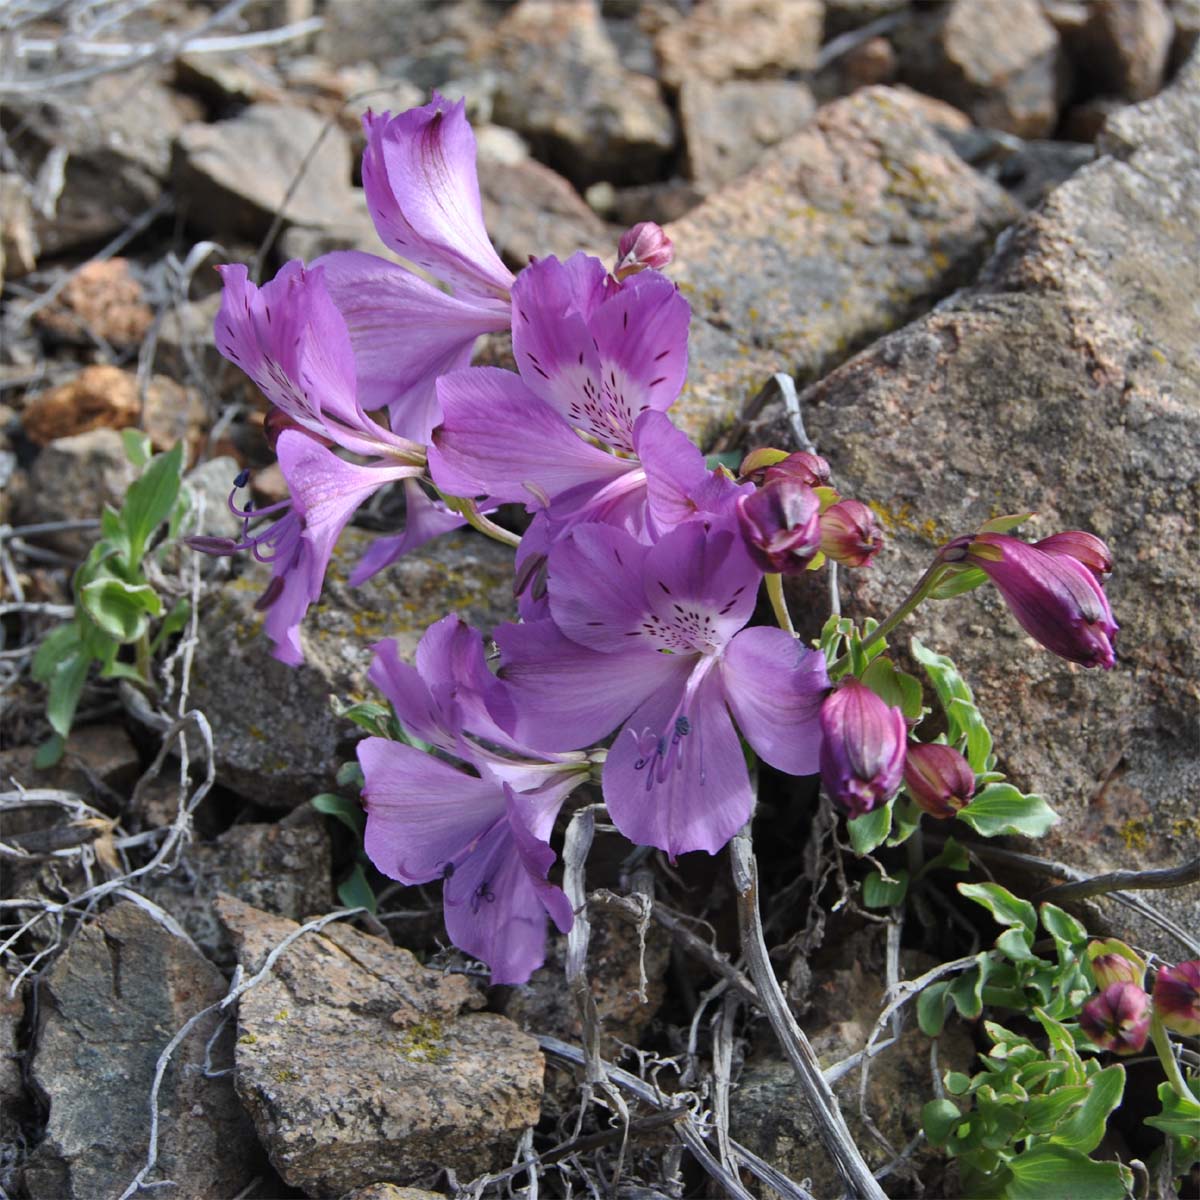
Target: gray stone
{"x":18,"y":238}
{"x":848,"y":229}
{"x":562,"y":86}
{"x":727,"y":126}
{"x":12,"y":1086}
{"x":276,"y":737}
{"x":72,"y":479}
{"x":998,"y":60}
{"x":843,"y":15}
{"x":731,"y":39}
{"x":1066,"y":382}
{"x":1185,"y":15}
{"x":1123,"y":47}
{"x":107,"y":1008}
{"x":283,"y":868}
{"x":234,"y":175}
{"x":359,"y":1065}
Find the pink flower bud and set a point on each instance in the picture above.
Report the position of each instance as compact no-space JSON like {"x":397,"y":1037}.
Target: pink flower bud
{"x":1177,"y":997}
{"x":938,"y":778}
{"x":780,"y":523}
{"x":755,"y":464}
{"x":1086,"y":548}
{"x":1055,"y":597}
{"x":850,"y":533}
{"x":645,"y":245}
{"x":1118,"y":1018}
{"x":802,"y":467}
{"x":862,"y":747}
{"x":1108,"y":969}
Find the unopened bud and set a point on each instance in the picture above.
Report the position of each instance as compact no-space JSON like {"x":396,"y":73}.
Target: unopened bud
{"x":1086,"y":548}
{"x":1111,"y":968}
{"x":850,"y":533}
{"x":938,"y":778}
{"x":645,"y":245}
{"x":754,"y":465}
{"x":1177,"y":997}
{"x":862,"y":747}
{"x":802,"y":467}
{"x":1118,"y":1019}
{"x":781,"y":526}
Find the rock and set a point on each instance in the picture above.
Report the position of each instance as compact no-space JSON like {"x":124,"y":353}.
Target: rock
{"x":530,"y":210}
{"x":841,"y":16}
{"x":729,"y":39}
{"x":849,"y":228}
{"x":727,"y":126}
{"x":545,"y":1005}
{"x":562,"y":86}
{"x":1185,"y":15}
{"x":998,"y":60}
{"x":1066,"y":382}
{"x":276,"y":737}
{"x":72,"y":479}
{"x":103,"y":300}
{"x":13,"y":1100}
{"x":283,"y":869}
{"x":659,"y":202}
{"x":117,"y":135}
{"x":360,"y":1065}
{"x":107,"y":1009}
{"x":1124,"y":46}
{"x":235,"y":174}
{"x":768,"y":1115}
{"x":1085,"y":122}
{"x":389,"y":1191}
{"x":18,"y":239}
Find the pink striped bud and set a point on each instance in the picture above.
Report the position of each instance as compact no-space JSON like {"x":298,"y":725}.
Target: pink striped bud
{"x":850,"y":533}
{"x":1086,"y":548}
{"x":862,"y":747}
{"x":938,"y":778}
{"x":1177,"y":997}
{"x":1118,"y":1019}
{"x":780,"y":524}
{"x":645,"y":245}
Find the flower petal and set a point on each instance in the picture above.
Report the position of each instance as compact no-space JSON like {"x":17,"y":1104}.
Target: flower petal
{"x":405,"y":333}
{"x":775,"y":687}
{"x":676,"y":779}
{"x":497,"y":437}
{"x":424,"y":520}
{"x":422,"y":190}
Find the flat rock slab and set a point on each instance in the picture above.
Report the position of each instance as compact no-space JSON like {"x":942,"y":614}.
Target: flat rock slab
{"x":106,"y":1010}
{"x":275,"y":734}
{"x":361,"y":1066}
{"x":1067,"y":382}
{"x":848,"y":229}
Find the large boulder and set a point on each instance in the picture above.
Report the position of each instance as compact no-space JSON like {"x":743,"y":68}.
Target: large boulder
{"x":1067,"y":381}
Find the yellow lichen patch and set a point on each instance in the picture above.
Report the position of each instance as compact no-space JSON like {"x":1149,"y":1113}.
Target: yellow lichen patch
{"x":283,"y":1075}
{"x":1186,"y":827}
{"x":247,"y":1039}
{"x":423,"y":1041}
{"x":1135,"y":835}
{"x":282,"y":1015}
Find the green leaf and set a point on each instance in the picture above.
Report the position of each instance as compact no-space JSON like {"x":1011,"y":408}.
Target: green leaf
{"x":355,"y":892}
{"x":939,"y":1119}
{"x":1005,"y":524}
{"x":1061,"y":926}
{"x":967,"y":721}
{"x":66,"y":686}
{"x":957,"y":583}
{"x":370,"y":715}
{"x":895,"y":687}
{"x":349,"y":775}
{"x":137,"y":446}
{"x":122,"y":610}
{"x":932,"y":1005}
{"x":150,"y":499}
{"x":172,"y":623}
{"x":869,"y":830}
{"x":1001,"y":808}
{"x":50,"y":752}
{"x":112,"y":529}
{"x":957,"y":1084}
{"x":1014,"y":944}
{"x":966,"y":993}
{"x":878,"y":892}
{"x":1002,"y":904}
{"x":906,"y":820}
{"x":952,"y":857}
{"x":1062,"y":1044}
{"x":1085,"y":1129}
{"x":1179,"y":1117}
{"x":1064,"y":1174}
{"x":349,"y":812}
{"x":60,"y":643}
{"x":120,"y":670}
{"x":1043,"y":1113}
{"x":726,"y":458}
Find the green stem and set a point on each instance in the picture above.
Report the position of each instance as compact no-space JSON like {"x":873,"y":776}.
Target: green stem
{"x":477,"y":520}
{"x":779,"y":603}
{"x":1162,"y":1043}
{"x":920,"y":592}
{"x":142,"y":651}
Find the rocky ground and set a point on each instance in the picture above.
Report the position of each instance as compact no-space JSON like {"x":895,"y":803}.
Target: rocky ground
{"x":969,"y":230}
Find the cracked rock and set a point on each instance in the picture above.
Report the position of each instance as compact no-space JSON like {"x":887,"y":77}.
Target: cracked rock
{"x":360,"y":1066}
{"x":106,"y":1010}
{"x":1067,"y":381}
{"x":848,"y":229}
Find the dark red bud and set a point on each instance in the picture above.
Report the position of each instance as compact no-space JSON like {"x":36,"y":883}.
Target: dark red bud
{"x":780,"y":523}
{"x":938,"y":778}
{"x":850,"y":533}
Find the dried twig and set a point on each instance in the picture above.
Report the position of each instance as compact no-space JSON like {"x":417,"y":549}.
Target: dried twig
{"x":831,"y":1125}
{"x":1100,"y":885}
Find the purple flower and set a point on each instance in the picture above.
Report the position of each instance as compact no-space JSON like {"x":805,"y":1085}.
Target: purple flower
{"x":1055,"y":597}
{"x":1177,"y":997}
{"x":644,"y":245}
{"x":862,"y":748}
{"x":1086,"y":548}
{"x":651,"y":638}
{"x":780,"y":524}
{"x":481,"y":822}
{"x":938,"y":778}
{"x":1118,"y":1019}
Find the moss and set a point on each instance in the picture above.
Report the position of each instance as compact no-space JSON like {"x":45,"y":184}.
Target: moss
{"x":423,"y":1041}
